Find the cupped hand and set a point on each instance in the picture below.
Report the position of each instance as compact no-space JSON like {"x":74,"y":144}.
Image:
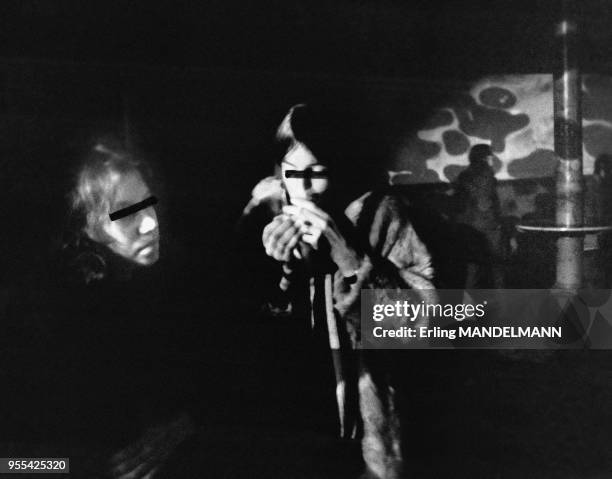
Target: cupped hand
{"x":280,"y":237}
{"x":313,"y":223}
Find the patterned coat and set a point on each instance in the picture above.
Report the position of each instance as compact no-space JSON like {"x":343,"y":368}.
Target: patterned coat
{"x":392,"y":257}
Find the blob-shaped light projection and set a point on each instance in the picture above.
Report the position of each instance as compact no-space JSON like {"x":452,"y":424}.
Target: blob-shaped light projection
{"x":512,"y":113}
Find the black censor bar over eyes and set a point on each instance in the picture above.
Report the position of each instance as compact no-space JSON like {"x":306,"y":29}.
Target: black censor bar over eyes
{"x":307,"y":174}
{"x":122,"y":213}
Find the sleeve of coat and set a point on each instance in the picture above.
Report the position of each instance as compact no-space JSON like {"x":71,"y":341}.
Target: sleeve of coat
{"x":393,"y":256}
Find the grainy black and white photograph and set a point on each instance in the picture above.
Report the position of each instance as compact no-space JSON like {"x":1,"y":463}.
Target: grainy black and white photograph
{"x":306,"y":239}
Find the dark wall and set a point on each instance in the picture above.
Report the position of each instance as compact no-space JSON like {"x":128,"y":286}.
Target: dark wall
{"x":209,"y":133}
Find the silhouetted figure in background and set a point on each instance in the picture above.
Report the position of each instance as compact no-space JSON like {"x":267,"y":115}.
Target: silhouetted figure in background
{"x":602,"y":177}
{"x":536,"y":254}
{"x":602,"y":195}
{"x":479,"y":219}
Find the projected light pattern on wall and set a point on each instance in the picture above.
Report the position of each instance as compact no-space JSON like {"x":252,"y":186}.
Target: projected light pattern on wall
{"x":512,"y":113}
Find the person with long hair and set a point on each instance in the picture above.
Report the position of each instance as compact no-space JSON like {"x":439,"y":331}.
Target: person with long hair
{"x":114,"y":318}
{"x":329,"y":250}
{"x":109,"y":180}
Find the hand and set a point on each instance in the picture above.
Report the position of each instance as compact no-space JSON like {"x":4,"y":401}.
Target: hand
{"x":313,"y":223}
{"x":143,"y":458}
{"x":280,"y":237}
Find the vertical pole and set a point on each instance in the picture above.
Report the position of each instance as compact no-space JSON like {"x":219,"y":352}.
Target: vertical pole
{"x":568,"y":149}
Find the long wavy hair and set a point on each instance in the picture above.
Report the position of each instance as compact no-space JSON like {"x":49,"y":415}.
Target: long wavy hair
{"x":85,"y":256}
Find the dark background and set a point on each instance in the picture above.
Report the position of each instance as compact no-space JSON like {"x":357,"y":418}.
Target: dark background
{"x":200,"y":86}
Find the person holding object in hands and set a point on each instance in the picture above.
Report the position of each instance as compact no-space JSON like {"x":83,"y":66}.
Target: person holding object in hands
{"x":329,"y":252}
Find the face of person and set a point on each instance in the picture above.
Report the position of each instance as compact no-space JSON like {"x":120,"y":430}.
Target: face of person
{"x":134,"y":237}
{"x":489,"y":160}
{"x":304,"y":177}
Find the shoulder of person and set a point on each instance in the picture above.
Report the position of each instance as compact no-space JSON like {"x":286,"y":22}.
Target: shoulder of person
{"x":268,"y":189}
{"x":266,"y":195}
{"x":267,"y":199}
{"x":387,"y":201}
{"x":463,"y":175}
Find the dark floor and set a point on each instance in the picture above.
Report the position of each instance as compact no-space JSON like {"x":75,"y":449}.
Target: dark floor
{"x":269,"y":412}
{"x":472,"y":414}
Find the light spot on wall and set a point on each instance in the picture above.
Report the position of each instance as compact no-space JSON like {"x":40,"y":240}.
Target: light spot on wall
{"x":512,"y":113}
